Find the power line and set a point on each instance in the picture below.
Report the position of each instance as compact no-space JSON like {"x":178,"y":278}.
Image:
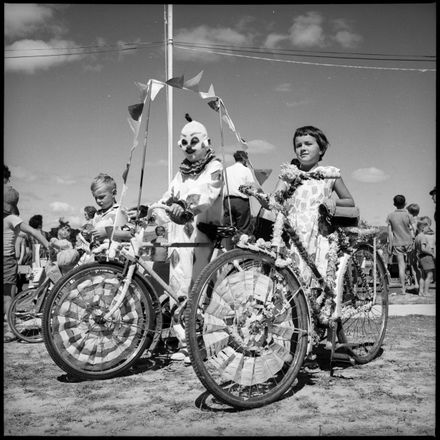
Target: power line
{"x":305,"y":62}
{"x":80,"y":52}
{"x":98,"y":46}
{"x":314,"y":53}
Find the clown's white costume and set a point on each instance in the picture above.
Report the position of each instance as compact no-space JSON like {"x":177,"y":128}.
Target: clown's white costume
{"x":194,"y":195}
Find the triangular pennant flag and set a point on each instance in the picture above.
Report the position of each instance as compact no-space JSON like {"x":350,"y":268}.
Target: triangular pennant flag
{"x":156,"y":87}
{"x":262,"y":175}
{"x":214,"y":104}
{"x":209,"y":94}
{"x":193,"y":83}
{"x":176,"y":82}
{"x":143,"y":88}
{"x":135,"y":110}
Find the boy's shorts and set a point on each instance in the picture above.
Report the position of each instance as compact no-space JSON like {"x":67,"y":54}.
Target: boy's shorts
{"x":403,"y":249}
{"x":10,"y":269}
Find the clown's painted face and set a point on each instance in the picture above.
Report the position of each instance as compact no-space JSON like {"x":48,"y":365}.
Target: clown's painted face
{"x":194,"y":141}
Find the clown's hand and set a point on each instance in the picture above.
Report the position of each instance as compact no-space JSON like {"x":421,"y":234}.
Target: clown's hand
{"x":178,"y":214}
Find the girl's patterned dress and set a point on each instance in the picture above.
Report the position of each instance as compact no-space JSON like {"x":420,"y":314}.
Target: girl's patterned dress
{"x":303,"y":215}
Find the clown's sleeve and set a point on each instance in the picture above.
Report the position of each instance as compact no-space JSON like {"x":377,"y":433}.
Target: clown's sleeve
{"x":160,"y":216}
{"x":206,"y":189}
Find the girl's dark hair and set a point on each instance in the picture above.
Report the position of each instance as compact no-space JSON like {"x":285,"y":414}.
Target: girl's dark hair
{"x":320,"y":137}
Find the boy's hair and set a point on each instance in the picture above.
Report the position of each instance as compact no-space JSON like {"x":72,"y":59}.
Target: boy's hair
{"x":90,"y":211}
{"x":320,"y":137}
{"x":6,"y":172}
{"x":103,"y":179}
{"x":36,"y":221}
{"x":399,"y":201}
{"x":426,"y":219}
{"x":240,"y":156}
{"x":413,"y":209}
{"x":421,"y":224}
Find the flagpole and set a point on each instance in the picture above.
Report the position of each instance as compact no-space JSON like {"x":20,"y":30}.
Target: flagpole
{"x":169,"y":75}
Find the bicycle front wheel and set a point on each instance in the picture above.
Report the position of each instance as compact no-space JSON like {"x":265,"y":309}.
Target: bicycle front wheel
{"x":247,"y":328}
{"x":79,"y":339}
{"x":23,"y":317}
{"x":364,"y":312}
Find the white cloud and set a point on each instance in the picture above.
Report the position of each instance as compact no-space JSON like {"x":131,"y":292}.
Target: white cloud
{"x":24,"y":19}
{"x":298,"y":103}
{"x":33,"y":55}
{"x":307,"y":30}
{"x":204,"y":35}
{"x":273,"y":40}
{"x":64,"y":181}
{"x":285,"y":87}
{"x":314,"y":30}
{"x":347,"y":39}
{"x":369,"y":175}
{"x":60,"y":207}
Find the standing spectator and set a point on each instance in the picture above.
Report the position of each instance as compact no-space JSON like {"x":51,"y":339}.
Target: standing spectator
{"x":400,"y":235}
{"x":413,"y":209}
{"x":425,"y":249}
{"x":36,"y":222}
{"x":237,"y":207}
{"x":12,"y":225}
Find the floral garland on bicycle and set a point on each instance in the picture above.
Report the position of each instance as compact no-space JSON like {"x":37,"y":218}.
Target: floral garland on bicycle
{"x":323,"y":303}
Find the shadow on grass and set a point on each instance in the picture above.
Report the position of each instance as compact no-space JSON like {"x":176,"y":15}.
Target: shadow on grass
{"x":140,"y":366}
{"x":207,"y":402}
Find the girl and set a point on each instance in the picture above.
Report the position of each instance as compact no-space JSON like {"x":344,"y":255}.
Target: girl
{"x":310,"y":145}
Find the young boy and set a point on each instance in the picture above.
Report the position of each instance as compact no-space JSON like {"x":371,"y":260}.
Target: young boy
{"x":400,"y":235}
{"x":103,"y":190}
{"x":425,"y":250}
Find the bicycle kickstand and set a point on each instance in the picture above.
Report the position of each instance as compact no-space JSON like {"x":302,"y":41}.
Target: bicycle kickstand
{"x":334,"y":327}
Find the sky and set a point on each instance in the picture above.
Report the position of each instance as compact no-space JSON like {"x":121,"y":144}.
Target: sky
{"x":363,"y":73}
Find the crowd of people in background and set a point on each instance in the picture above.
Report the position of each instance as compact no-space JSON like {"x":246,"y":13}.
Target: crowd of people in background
{"x":412,"y":241}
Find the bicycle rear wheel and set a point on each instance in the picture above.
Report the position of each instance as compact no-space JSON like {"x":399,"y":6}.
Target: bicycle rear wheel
{"x":364,"y":308}
{"x":247,"y":328}
{"x":23,"y":317}
{"x":77,"y":337}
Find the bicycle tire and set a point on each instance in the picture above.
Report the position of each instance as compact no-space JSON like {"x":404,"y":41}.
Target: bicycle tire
{"x":77,"y":338}
{"x":364,"y":318}
{"x":23,"y":318}
{"x":246,"y":328}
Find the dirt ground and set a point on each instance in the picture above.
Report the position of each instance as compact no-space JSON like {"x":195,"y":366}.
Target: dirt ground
{"x":392,"y":395}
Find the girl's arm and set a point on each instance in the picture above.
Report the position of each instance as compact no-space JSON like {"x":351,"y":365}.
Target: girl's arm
{"x":345,"y":198}
{"x":36,"y":234}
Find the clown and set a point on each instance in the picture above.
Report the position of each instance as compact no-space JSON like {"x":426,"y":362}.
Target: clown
{"x":194,"y":196}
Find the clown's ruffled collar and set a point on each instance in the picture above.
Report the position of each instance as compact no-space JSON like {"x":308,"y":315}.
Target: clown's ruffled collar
{"x":194,"y":168}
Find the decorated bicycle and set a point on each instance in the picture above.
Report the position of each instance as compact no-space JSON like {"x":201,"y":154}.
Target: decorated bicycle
{"x":252,"y":318}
